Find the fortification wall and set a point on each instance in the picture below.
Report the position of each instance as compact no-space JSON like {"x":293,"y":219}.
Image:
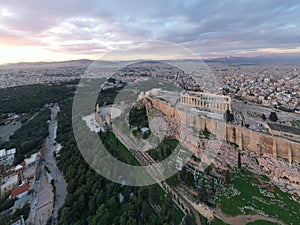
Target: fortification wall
{"x":246,"y":139}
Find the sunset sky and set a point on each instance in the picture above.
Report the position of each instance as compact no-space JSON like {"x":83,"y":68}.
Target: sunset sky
{"x":36,"y":30}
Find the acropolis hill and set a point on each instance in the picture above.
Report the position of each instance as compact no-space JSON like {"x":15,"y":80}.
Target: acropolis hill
{"x":246,"y":139}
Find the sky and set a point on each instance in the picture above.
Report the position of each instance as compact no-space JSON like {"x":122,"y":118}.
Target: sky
{"x":37,"y":30}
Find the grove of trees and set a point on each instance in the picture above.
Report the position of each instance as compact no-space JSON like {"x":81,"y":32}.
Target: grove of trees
{"x":92,"y":199}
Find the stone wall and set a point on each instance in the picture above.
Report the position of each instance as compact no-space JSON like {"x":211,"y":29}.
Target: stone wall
{"x":246,"y":139}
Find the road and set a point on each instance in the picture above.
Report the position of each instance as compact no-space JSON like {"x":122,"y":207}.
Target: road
{"x":42,"y":205}
{"x":60,"y":184}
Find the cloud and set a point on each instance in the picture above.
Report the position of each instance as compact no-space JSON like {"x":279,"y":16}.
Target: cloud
{"x":224,"y":27}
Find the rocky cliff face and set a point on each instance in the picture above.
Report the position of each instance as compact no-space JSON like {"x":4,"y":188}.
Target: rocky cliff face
{"x":274,"y":157}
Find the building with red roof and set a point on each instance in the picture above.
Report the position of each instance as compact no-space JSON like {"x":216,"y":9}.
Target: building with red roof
{"x":23,"y":164}
{"x":21,"y":191}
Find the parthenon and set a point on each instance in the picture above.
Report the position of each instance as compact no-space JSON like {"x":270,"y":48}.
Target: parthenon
{"x":206,"y":101}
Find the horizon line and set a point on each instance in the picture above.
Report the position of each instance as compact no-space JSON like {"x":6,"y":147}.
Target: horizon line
{"x":280,"y":56}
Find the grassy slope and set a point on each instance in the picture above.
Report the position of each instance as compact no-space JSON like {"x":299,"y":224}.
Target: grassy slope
{"x":252,"y":194}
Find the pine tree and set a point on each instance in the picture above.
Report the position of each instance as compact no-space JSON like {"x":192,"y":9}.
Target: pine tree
{"x":228,"y":116}
{"x":273,"y":116}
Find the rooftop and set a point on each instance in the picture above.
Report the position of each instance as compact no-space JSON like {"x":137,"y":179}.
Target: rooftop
{"x":4,"y":152}
{"x":144,"y":129}
{"x":20,"y":190}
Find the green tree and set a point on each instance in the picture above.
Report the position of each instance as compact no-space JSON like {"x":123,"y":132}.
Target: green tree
{"x":273,"y":116}
{"x":189,"y":179}
{"x":189,"y":220}
{"x":263,"y":116}
{"x":143,"y":194}
{"x":101,"y":217}
{"x":173,"y":180}
{"x":21,"y":211}
{"x":145,"y":212}
{"x":228,"y":116}
{"x":153,"y":193}
{"x":206,"y":132}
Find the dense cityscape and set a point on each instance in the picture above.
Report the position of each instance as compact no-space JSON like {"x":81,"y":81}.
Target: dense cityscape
{"x":270,"y":84}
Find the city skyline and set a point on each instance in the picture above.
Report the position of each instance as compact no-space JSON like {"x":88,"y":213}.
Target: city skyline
{"x":55,"y":31}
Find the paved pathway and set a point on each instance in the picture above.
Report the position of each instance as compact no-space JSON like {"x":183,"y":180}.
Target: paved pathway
{"x":42,"y":205}
{"x":60,"y":184}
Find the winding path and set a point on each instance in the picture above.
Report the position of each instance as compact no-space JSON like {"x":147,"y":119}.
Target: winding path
{"x":59,"y":181}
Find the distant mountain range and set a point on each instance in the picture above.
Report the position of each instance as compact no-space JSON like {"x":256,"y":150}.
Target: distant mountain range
{"x":80,"y":63}
{"x":233,"y":60}
{"x":257,"y":60}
